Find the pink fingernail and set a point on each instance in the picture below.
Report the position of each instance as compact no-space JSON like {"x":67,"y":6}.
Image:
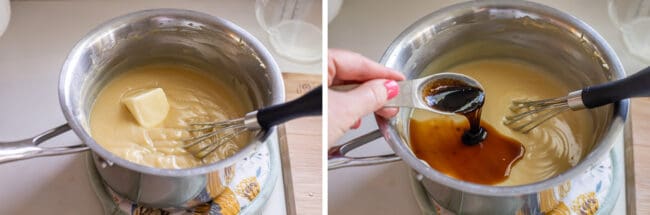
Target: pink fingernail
{"x":356,"y":124}
{"x":391,"y":88}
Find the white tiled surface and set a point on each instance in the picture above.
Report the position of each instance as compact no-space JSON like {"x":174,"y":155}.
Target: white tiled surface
{"x":32,"y":50}
{"x":368,"y":27}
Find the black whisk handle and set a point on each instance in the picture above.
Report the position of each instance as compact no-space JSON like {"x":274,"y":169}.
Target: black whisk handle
{"x":636,"y":85}
{"x":310,"y":104}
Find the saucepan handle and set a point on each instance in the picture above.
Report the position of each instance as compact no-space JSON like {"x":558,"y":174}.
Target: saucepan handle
{"x":337,"y":158}
{"x":28,"y":148}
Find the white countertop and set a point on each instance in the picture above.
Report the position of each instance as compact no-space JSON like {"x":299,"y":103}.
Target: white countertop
{"x":368,"y":27}
{"x":32,"y":50}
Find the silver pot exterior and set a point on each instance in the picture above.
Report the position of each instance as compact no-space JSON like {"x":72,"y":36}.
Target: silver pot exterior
{"x":212,"y":44}
{"x":152,"y":190}
{"x":566,"y":46}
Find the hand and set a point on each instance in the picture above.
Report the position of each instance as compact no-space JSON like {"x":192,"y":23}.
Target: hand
{"x":378,"y":85}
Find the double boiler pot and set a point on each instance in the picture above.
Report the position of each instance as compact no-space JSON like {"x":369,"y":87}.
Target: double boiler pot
{"x":211,"y":44}
{"x":566,"y":47}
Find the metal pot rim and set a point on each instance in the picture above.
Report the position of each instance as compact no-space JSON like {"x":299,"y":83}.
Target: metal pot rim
{"x":277,"y":88}
{"x":620,"y":109}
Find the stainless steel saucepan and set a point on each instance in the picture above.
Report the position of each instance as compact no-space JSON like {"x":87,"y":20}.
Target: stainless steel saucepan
{"x":567,"y":47}
{"x":212,"y":44}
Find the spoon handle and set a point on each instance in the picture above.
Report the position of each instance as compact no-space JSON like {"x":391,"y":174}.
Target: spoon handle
{"x":636,"y":85}
{"x":410,"y":94}
{"x":405,"y":98}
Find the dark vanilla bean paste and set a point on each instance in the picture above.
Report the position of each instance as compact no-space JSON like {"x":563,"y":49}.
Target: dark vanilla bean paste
{"x":471,"y":151}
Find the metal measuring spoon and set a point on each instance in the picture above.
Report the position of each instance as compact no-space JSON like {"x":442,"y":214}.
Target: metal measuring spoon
{"x":411,"y":92}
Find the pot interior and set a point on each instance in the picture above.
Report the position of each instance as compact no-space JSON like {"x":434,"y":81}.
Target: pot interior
{"x":211,"y":45}
{"x":565,"y":47}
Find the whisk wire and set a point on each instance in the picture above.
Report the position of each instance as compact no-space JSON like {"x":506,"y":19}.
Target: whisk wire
{"x":519,"y":104}
{"x":211,"y":125}
{"x":195,"y":140}
{"x":514,"y":118}
{"x":530,"y":114}
{"x":212,"y":146}
{"x":538,"y":120}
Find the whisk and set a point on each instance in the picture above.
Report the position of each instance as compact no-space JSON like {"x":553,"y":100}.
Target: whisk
{"x":215,"y":134}
{"x":530,"y":114}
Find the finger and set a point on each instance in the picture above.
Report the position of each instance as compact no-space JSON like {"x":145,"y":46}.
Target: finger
{"x":353,"y":66}
{"x":368,"y":97}
{"x":345,"y":108}
{"x":387,"y":113}
{"x":339,"y":119}
{"x":345,"y":65}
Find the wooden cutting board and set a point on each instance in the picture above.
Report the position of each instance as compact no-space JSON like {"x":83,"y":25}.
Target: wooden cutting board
{"x":305,"y":150}
{"x":640,"y":116}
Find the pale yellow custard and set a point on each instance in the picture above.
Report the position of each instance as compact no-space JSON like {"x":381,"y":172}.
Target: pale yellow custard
{"x":550,"y":149}
{"x":192,"y":97}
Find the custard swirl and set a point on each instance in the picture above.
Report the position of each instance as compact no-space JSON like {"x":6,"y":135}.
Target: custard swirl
{"x":192,"y":96}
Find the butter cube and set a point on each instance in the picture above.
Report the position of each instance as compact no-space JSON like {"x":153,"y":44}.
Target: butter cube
{"x":148,"y":107}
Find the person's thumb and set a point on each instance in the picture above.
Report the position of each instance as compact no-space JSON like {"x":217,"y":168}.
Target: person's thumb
{"x":370,"y":97}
